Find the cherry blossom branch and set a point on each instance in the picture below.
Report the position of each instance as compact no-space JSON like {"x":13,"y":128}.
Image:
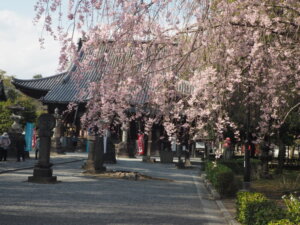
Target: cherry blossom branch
{"x":287,"y":114}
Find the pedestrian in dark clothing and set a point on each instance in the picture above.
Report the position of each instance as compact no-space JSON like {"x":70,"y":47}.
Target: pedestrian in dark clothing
{"x":21,"y":145}
{"x":4,"y":144}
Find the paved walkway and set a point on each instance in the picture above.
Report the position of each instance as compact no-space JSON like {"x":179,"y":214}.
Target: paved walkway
{"x":81,"y":199}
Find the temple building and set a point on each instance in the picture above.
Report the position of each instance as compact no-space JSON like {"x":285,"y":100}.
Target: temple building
{"x":59,"y":90}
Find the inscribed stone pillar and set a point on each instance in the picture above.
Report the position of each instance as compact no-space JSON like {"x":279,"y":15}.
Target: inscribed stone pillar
{"x":95,"y":160}
{"x":99,"y":155}
{"x":125,"y":128}
{"x":89,"y":165}
{"x":42,"y":172}
{"x":57,"y":131}
{"x":148,"y":158}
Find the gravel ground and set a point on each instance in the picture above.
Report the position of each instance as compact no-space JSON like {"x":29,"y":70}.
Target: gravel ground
{"x":179,"y":198}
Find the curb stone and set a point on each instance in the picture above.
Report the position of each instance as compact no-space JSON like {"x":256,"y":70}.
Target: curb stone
{"x":216,"y":196}
{"x":10,"y":170}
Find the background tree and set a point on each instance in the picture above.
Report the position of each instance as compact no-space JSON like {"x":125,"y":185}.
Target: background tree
{"x":14,"y":97}
{"x":37,"y":76}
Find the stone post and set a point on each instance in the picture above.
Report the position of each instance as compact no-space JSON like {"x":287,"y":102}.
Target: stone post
{"x":42,"y":172}
{"x":95,"y":160}
{"x":148,"y":158}
{"x":89,"y":165}
{"x":124,"y":132}
{"x":123,"y":146}
{"x":57,"y":131}
{"x":99,"y":155}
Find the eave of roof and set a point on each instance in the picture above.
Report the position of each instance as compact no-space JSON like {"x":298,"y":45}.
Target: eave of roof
{"x":66,"y":87}
{"x":41,"y":84}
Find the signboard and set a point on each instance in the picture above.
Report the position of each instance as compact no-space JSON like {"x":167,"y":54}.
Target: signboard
{"x":28,"y":136}
{"x":200,"y":145}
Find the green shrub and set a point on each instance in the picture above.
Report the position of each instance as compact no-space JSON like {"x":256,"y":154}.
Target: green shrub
{"x":293,"y":208}
{"x":236,"y":166}
{"x":256,"y":209}
{"x":222,"y":178}
{"x":281,"y":222}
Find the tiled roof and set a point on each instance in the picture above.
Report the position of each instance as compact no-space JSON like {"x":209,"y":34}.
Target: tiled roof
{"x":66,"y":87}
{"x":42,"y":84}
{"x":69,"y":89}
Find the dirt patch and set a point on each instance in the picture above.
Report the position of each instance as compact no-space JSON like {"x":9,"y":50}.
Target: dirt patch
{"x":128,"y":175}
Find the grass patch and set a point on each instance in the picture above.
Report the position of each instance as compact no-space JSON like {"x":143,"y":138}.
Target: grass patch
{"x":280,"y":185}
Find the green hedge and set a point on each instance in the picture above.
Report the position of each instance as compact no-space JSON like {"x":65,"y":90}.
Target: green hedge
{"x":237,"y":165}
{"x":222,"y":178}
{"x":234,"y":165}
{"x":293,"y":208}
{"x":282,"y":222}
{"x":256,"y":209}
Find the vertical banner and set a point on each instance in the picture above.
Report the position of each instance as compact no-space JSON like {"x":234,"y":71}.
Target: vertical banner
{"x":28,"y":136}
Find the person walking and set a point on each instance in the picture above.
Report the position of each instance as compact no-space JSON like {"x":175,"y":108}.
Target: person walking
{"x":4,"y":144}
{"x":21,"y":145}
{"x":37,"y":147}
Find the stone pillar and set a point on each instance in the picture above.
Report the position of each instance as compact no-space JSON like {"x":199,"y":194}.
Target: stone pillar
{"x":122,"y":147}
{"x":42,"y":172}
{"x":99,"y":155}
{"x":89,"y":165}
{"x":57,"y":132}
{"x":95,"y":160}
{"x":109,"y":148}
{"x":147,"y":158}
{"x":124,"y":132}
{"x":149,"y":148}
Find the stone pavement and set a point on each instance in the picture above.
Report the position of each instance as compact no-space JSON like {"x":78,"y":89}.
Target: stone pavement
{"x":81,"y":199}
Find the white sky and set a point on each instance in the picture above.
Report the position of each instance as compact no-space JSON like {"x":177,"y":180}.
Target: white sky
{"x":20,"y":52}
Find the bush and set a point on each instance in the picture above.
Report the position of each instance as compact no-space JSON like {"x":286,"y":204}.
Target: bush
{"x":237,"y":166}
{"x":282,"y":222}
{"x":222,"y":178}
{"x":293,"y":208}
{"x":256,"y":209}
{"x":234,"y":165}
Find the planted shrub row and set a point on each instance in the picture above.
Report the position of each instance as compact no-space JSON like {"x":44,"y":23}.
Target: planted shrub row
{"x":237,"y":165}
{"x":222,"y":178}
{"x":256,"y":209}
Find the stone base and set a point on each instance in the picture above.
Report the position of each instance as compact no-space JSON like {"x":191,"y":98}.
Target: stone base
{"x":180,"y":165}
{"x":187,"y":163}
{"x":148,"y":159}
{"x":89,"y":167}
{"x":166,"y":157}
{"x":110,"y":158}
{"x":42,"y":172}
{"x":43,"y":180}
{"x":42,"y":175}
{"x":125,"y":150}
{"x":95,"y":171}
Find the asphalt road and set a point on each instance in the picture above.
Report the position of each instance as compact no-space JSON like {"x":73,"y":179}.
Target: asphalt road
{"x":78,"y":199}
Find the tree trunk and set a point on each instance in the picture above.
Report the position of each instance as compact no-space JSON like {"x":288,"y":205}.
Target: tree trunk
{"x":265,"y":149}
{"x":187,"y":160}
{"x":281,"y":156}
{"x":99,"y":155}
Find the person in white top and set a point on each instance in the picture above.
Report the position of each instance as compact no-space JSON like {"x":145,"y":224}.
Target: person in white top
{"x":4,"y":145}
